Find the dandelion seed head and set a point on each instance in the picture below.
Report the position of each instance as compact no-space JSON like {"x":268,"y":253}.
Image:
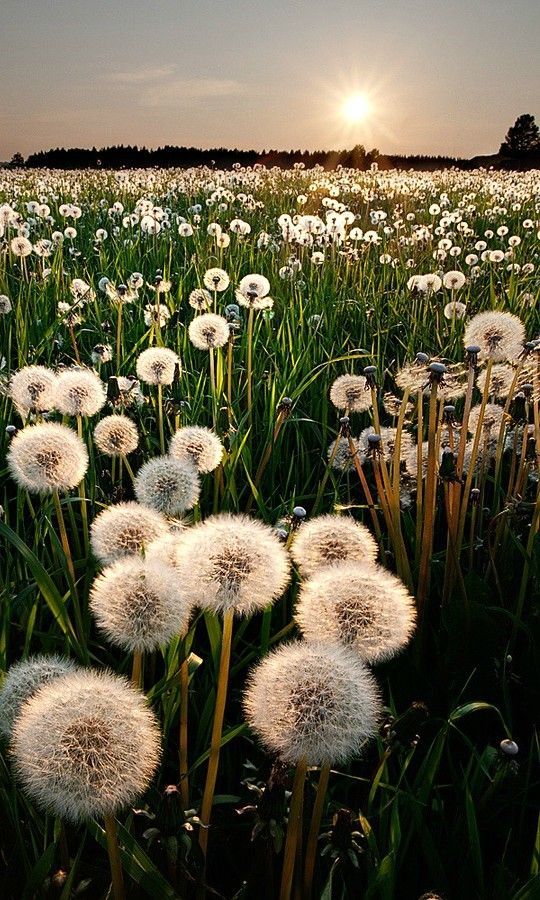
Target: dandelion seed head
{"x":343,"y":457}
{"x":116,"y":435}
{"x":351,"y":392}
{"x":47,"y":457}
{"x":216,"y":280}
{"x":125,"y":529}
{"x":170,"y":486}
{"x":200,"y":299}
{"x":388,"y":442}
{"x":208,"y":331}
{"x":314,"y":701}
{"x":79,"y":392}
{"x":500,"y":382}
{"x":86,"y":746}
{"x":138,"y":604}
{"x":500,"y":335}
{"x":491,"y":420}
{"x":23,"y":680}
{"x":199,"y":444}
{"x":330,"y":539}
{"x":33,"y":389}
{"x":232,"y":562}
{"x":157,"y":365}
{"x":358,"y":604}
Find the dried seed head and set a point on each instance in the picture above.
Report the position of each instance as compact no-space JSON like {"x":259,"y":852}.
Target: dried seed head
{"x":199,"y":444}
{"x":157,"y":365}
{"x":23,"y":680}
{"x":313,"y":701}
{"x":125,"y":529}
{"x":232,"y":562}
{"x":358,"y":604}
{"x":208,"y":331}
{"x":499,"y":335}
{"x":139,"y":605}
{"x":47,"y":457}
{"x":351,"y":392}
{"x":170,"y":486}
{"x":32,"y":389}
{"x":116,"y":435}
{"x":86,"y":746}
{"x":79,"y":392}
{"x":330,"y":539}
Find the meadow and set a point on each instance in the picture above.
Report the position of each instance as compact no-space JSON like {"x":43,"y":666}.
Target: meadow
{"x":270,"y":553}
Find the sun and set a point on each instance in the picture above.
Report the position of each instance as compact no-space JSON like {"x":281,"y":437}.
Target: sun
{"x":356,"y":108}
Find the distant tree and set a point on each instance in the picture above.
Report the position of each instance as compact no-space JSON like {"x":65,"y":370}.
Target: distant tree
{"x":522,"y":137}
{"x":17,"y":161}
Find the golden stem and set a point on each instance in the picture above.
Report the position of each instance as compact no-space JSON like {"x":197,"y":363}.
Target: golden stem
{"x":293,"y":827}
{"x":114,"y":858}
{"x":184,"y":763}
{"x":313,"y":836}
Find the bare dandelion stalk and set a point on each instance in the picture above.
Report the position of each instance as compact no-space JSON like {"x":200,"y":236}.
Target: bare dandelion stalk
{"x":251,"y":315}
{"x":431,"y":490}
{"x":114,"y":858}
{"x":184,"y":760}
{"x":293,"y":829}
{"x":160,"y":417}
{"x":217,"y":729}
{"x":314,"y":828}
{"x":136,"y":669}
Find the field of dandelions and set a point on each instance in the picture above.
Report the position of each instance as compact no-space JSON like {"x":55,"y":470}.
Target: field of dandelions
{"x":270,"y":551}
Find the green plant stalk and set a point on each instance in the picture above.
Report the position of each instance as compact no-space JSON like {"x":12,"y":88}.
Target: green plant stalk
{"x":429,"y":503}
{"x":160,"y":418}
{"x":293,"y":828}
{"x":114,"y":858}
{"x":184,"y":712}
{"x":217,"y":729}
{"x":314,"y":828}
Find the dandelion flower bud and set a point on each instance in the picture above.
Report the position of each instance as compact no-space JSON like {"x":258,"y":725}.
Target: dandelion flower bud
{"x":23,"y":680}
{"x":171,"y":486}
{"x":361,"y":605}
{"x":79,"y":392}
{"x":351,"y":392}
{"x":32,"y":389}
{"x":499,"y":335}
{"x":138,"y":604}
{"x":86,"y":746}
{"x":157,"y":365}
{"x":491,"y":420}
{"x":208,"y":331}
{"x":232,"y":562}
{"x":116,"y":436}
{"x":312,"y":701}
{"x":125,"y":529}
{"x":47,"y":457}
{"x":330,"y":539}
{"x":200,"y":445}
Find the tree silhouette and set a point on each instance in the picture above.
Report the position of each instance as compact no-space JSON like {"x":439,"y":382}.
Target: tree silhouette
{"x":16,"y":161}
{"x":523,"y":137}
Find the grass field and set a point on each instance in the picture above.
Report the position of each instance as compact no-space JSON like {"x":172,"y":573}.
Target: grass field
{"x":436,"y":455}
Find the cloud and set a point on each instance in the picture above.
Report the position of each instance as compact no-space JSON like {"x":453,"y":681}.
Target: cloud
{"x":185,"y":90}
{"x":138,"y":76}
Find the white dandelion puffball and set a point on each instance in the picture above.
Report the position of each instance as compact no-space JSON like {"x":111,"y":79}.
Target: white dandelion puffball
{"x":32,"y":389}
{"x":125,"y":529}
{"x":208,"y":331}
{"x":232,"y":562}
{"x":253,"y":286}
{"x":351,"y":393}
{"x":500,"y":380}
{"x":200,"y":299}
{"x":165,"y":548}
{"x":491,"y":420}
{"x":362,"y":605}
{"x":23,"y":680}
{"x":47,"y":457}
{"x":116,"y":435}
{"x":455,"y":310}
{"x":500,"y":335}
{"x":313,"y":701}
{"x":86,"y":746}
{"x":216,"y":280}
{"x":169,"y":485}
{"x":157,"y":365}
{"x":199,"y":444}
{"x":330,"y":539}
{"x":79,"y":392}
{"x":138,"y":604}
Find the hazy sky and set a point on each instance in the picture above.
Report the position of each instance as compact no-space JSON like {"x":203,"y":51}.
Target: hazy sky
{"x":447,"y":76}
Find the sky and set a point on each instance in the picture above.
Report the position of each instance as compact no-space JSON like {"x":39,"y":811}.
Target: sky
{"x":445,"y":76}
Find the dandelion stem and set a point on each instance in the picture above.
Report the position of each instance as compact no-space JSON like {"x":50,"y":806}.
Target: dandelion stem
{"x":429,"y":504}
{"x":119,"y":337}
{"x":184,"y":701}
{"x":114,"y":858}
{"x":293,"y":828}
{"x":314,"y":828}
{"x":217,"y":729}
{"x":160,"y":418}
{"x":250,"y":363}
{"x":136,"y":669}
